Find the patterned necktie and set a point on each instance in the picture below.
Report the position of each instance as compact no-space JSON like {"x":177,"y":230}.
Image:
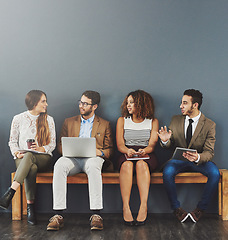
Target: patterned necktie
{"x":189,"y":132}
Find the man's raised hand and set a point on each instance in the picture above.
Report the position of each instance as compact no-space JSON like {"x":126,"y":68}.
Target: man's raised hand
{"x":164,"y":134}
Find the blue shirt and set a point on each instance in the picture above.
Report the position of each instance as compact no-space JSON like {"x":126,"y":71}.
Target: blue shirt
{"x":86,"y":127}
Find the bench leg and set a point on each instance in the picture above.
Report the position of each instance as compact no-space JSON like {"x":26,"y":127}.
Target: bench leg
{"x":16,"y":203}
{"x":24,"y":201}
{"x":220,"y":198}
{"x":225,"y":195}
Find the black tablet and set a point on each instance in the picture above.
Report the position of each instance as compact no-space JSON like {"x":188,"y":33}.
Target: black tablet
{"x":178,"y":153}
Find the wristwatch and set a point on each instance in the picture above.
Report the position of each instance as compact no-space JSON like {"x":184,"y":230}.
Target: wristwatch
{"x":102,"y":154}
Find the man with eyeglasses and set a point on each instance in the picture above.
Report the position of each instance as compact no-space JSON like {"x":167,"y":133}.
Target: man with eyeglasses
{"x":87,"y":124}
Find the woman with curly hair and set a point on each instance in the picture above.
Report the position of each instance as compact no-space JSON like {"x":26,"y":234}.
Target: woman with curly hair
{"x":136,"y":136}
{"x":33,"y":124}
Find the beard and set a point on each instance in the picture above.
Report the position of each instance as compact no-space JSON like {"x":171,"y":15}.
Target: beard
{"x":86,"y":113}
{"x":189,"y":112}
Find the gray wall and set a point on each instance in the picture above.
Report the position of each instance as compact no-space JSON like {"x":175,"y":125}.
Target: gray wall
{"x":113,"y":46}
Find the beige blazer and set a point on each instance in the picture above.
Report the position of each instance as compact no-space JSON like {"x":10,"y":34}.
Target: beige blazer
{"x":203,"y":139}
{"x":101,"y":131}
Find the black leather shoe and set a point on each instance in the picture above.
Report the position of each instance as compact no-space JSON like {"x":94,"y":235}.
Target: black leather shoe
{"x":131,"y":223}
{"x":31,"y":216}
{"x":140,"y":223}
{"x":6,"y":198}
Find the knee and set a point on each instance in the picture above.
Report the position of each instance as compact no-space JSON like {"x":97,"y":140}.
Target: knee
{"x":141,"y":166}
{"x":27,"y":163}
{"x":169,"y":171}
{"x":126,"y":167}
{"x":60,"y":165}
{"x":28,"y":157}
{"x":93,"y":166}
{"x":28,"y":154}
{"x":33,"y":169}
{"x":214,"y":174}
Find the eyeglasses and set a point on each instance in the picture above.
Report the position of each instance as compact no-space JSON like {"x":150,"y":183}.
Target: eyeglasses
{"x":84,"y":104}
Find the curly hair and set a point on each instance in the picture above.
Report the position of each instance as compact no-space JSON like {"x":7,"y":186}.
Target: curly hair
{"x":143,"y":102}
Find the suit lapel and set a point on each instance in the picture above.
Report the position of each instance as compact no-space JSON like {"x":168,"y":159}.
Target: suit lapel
{"x":182,"y":135}
{"x":95,"y":126}
{"x":77,"y":126}
{"x":198,"y":129}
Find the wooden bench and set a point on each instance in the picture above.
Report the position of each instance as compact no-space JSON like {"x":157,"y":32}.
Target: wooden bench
{"x":19,"y":205}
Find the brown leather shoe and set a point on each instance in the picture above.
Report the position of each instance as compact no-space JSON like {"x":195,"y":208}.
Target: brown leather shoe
{"x":196,"y":214}
{"x":96,"y":222}
{"x":180,"y":214}
{"x":56,"y":222}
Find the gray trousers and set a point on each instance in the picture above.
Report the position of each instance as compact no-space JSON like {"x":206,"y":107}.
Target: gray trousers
{"x":70,"y":166}
{"x":27,"y":168}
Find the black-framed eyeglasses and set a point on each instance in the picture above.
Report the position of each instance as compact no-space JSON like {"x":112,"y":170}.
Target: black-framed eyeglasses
{"x":84,"y":104}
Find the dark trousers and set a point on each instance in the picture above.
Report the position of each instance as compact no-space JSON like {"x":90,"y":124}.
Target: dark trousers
{"x":173,"y":167}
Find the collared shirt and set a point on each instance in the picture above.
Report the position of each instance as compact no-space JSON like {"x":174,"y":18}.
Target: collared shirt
{"x":86,"y":127}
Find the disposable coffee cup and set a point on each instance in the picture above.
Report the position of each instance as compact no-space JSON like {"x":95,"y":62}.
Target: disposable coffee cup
{"x":30,"y":142}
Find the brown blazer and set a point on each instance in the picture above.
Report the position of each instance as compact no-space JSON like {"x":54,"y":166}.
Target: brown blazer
{"x":203,"y":139}
{"x":101,"y":131}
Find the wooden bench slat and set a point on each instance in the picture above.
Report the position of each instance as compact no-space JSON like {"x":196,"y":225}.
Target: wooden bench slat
{"x":19,"y":200}
{"x":113,"y":178}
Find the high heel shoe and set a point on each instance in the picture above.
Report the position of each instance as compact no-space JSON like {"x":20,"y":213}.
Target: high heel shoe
{"x":140,"y":223}
{"x":6,"y":198}
{"x":129,"y":223}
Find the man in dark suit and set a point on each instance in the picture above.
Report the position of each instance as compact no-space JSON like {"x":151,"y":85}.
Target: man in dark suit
{"x":190,"y":130}
{"x":87,"y":124}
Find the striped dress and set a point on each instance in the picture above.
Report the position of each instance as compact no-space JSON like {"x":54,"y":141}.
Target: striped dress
{"x":136,"y":136}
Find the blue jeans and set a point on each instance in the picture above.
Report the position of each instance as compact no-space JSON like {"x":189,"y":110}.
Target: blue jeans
{"x":173,"y":167}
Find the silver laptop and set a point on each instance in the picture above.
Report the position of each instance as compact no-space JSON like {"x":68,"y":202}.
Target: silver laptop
{"x":78,"y":147}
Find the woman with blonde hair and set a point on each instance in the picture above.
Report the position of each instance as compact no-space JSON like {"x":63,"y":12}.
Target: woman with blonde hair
{"x":32,"y":140}
{"x":136,"y":136}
